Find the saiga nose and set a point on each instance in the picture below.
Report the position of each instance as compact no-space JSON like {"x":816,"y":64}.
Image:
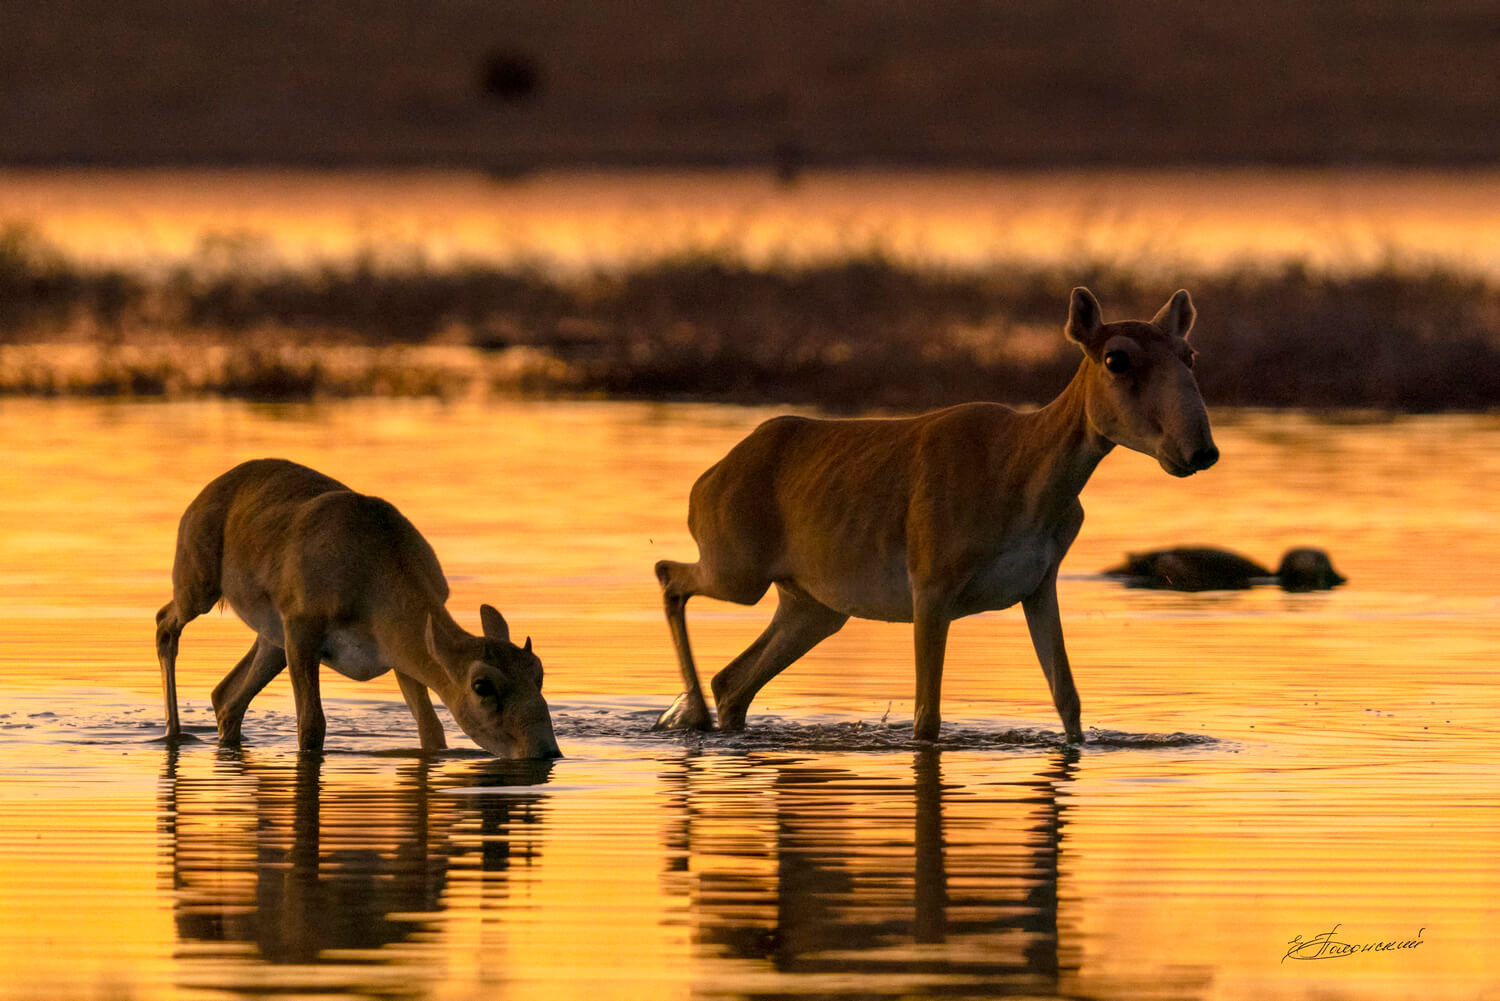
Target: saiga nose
{"x":1205,"y":457}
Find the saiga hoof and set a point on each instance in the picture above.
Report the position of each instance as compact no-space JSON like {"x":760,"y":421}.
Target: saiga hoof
{"x":686,"y":713}
{"x":177,"y":739}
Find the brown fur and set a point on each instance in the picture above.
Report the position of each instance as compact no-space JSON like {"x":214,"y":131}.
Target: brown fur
{"x":930,"y":518}
{"x":327,"y":575}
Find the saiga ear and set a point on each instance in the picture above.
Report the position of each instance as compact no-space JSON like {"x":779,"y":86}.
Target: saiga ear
{"x":432,"y":650}
{"x":1177,"y":316}
{"x":539,"y":672}
{"x":1085,"y":320}
{"x":493,"y":624}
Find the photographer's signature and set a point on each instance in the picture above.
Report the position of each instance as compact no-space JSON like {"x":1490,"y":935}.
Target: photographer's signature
{"x":1325,"y":946}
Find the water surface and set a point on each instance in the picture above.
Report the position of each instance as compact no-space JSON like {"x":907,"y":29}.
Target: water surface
{"x":1261,"y":765}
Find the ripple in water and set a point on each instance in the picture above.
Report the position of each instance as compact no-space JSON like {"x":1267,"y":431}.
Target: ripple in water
{"x":777,"y":733}
{"x":386,"y":728}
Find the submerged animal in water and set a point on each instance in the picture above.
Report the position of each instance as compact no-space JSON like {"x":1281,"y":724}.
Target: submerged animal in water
{"x":1205,"y":569}
{"x":327,"y":575}
{"x":928,"y":519}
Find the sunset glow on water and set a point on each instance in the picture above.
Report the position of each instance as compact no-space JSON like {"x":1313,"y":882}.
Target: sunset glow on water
{"x":1261,"y":765}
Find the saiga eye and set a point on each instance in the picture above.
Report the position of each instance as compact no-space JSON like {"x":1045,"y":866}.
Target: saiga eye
{"x":1117,"y":362}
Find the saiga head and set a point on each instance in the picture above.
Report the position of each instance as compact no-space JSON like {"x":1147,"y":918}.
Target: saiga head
{"x":497,"y":695}
{"x":1141,"y":391}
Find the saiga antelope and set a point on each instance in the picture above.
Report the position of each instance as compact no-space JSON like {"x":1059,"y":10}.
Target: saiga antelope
{"x":1200,"y":568}
{"x":323,"y":574}
{"x":928,"y":519}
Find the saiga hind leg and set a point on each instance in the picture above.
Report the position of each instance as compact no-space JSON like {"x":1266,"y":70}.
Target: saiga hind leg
{"x":680,"y":581}
{"x":232,"y":695}
{"x":801,"y":622}
{"x":304,"y":643}
{"x":688,"y":711}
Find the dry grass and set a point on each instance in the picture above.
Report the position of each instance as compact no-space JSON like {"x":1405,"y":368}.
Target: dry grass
{"x":855,"y":335}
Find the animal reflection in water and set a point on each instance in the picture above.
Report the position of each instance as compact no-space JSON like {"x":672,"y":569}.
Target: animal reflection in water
{"x":860,"y":867}
{"x":294,"y":861}
{"x":1205,"y":569}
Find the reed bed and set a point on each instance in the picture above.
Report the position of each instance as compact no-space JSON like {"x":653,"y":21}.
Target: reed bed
{"x":855,"y":334}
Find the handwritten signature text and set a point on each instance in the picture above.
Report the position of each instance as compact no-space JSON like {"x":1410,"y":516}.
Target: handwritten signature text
{"x":1325,"y":945}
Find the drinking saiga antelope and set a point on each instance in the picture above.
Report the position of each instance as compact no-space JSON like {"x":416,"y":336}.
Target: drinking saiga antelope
{"x":327,"y":575}
{"x":928,"y":519}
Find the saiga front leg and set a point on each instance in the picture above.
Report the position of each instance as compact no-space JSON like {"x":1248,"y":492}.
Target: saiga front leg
{"x":930,"y":619}
{"x":168,"y":633}
{"x":1045,"y":624}
{"x":429,"y":727}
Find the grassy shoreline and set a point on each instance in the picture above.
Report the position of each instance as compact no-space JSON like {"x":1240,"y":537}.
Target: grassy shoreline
{"x":852,"y":335}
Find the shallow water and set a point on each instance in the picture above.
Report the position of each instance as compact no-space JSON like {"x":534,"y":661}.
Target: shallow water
{"x":1260,"y":765}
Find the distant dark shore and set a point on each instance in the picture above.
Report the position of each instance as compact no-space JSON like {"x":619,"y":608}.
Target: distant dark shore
{"x":860,"y":334}
{"x":512,"y":86}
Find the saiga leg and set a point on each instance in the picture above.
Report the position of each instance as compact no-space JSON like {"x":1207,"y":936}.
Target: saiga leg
{"x":801,"y":622}
{"x":680,"y":581}
{"x":304,"y":643}
{"x":232,"y":695}
{"x":429,"y":727}
{"x":930,"y":620}
{"x":168,"y":633}
{"x":1045,"y":624}
{"x":688,"y":711}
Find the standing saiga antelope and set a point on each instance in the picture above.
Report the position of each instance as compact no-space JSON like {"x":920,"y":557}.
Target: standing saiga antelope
{"x":327,"y":575}
{"x":928,"y":519}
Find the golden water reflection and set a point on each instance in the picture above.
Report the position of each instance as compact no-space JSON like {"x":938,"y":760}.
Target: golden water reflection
{"x":859,"y":879}
{"x":794,"y":871}
{"x":1341,"y":764}
{"x":293,"y":863}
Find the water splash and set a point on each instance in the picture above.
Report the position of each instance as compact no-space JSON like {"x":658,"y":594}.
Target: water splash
{"x":384,"y":729}
{"x":833,"y":734}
